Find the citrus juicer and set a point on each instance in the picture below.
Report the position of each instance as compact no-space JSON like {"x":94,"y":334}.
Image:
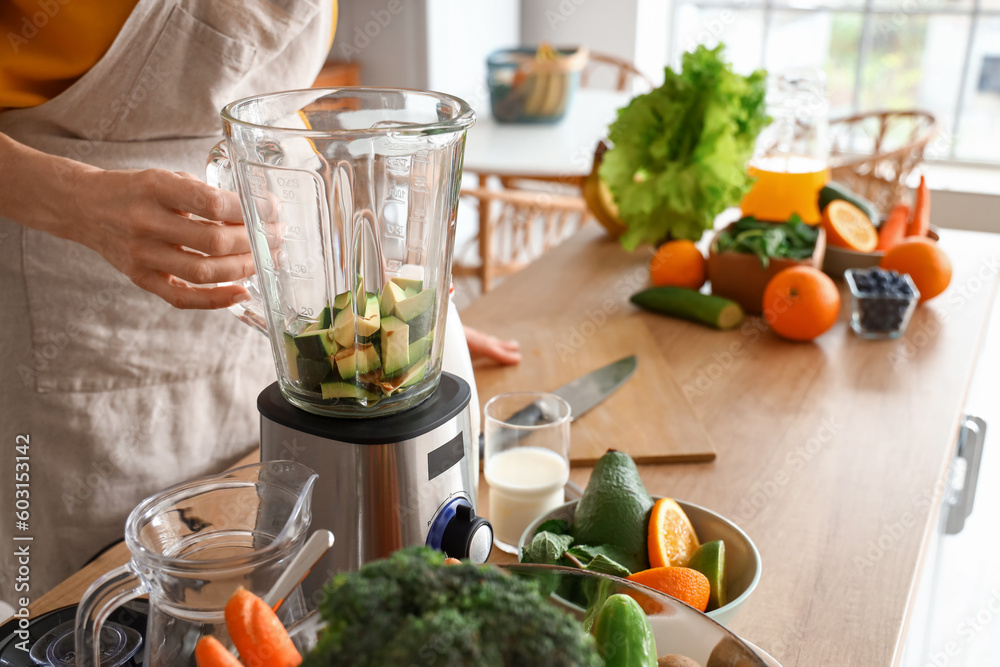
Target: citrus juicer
{"x":350,"y":197}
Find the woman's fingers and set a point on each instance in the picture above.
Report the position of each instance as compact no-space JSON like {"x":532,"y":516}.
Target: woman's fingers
{"x":180,"y":294}
{"x":485,"y":345}
{"x":211,"y":238}
{"x":186,"y":193}
{"x":194,"y":267}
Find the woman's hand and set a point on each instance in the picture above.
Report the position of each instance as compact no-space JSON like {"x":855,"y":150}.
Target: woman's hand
{"x":171,"y":234}
{"x":168,"y":232}
{"x":506,"y":352}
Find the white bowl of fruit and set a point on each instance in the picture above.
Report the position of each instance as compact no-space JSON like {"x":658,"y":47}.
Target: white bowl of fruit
{"x":676,"y":547}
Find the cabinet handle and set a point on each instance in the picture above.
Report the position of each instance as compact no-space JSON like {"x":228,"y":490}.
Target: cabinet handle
{"x":970,"y":448}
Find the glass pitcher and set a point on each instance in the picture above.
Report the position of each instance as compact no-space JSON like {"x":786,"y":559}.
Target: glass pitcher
{"x":790,"y":160}
{"x":192,"y":546}
{"x":350,"y":198}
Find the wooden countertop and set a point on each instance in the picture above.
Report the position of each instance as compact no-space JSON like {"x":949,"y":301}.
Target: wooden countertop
{"x":831,"y":455}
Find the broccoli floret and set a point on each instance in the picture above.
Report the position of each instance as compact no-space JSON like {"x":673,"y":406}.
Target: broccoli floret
{"x":412,"y":610}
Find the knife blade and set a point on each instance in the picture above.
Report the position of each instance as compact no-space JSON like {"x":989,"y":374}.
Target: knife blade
{"x":582,"y":394}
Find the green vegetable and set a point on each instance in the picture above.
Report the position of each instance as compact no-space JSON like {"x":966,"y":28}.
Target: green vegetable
{"x":604,"y":565}
{"x":547,"y":549}
{"x":624,"y":636}
{"x":410,"y":609}
{"x":793,"y":239}
{"x":832,"y":191}
{"x":557,"y":526}
{"x":686,"y":304}
{"x":680,"y":151}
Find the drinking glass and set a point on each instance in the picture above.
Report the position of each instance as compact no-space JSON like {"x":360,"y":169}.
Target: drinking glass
{"x":525,"y":460}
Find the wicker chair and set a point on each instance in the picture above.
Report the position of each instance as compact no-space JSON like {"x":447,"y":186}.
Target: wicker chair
{"x":874,"y":153}
{"x":517,"y":227}
{"x":626,"y":72}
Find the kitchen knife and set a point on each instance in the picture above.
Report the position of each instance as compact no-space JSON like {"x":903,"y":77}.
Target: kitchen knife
{"x":582,"y":394}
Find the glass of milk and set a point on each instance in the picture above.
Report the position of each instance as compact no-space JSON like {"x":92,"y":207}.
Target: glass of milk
{"x":525,"y":461}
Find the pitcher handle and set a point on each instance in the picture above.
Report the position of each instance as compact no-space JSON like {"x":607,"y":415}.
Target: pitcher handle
{"x":219,"y":174}
{"x":112,"y":590}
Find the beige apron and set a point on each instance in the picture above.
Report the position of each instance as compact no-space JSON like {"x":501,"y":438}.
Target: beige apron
{"x":120,"y":394}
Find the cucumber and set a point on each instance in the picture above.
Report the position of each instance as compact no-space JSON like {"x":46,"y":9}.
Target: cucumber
{"x":686,"y":304}
{"x":623,"y":635}
{"x":832,"y":191}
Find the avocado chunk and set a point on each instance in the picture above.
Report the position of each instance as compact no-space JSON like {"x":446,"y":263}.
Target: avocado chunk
{"x":368,"y":324}
{"x":325,"y":318}
{"x":291,"y":356}
{"x":391,"y":295}
{"x":343,"y":327}
{"x":411,"y":308}
{"x":614,"y":509}
{"x":332,"y":390}
{"x":346,"y":363}
{"x":316,"y":344}
{"x":342,"y":300}
{"x":407,"y":378}
{"x":409,"y":283}
{"x":311,"y":372}
{"x":421,"y":326}
{"x":395,"y":345}
{"x":367,"y":357}
{"x":421,"y":347}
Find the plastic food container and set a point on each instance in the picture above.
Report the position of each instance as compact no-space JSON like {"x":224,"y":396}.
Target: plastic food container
{"x":529,"y":85}
{"x":883,"y":302}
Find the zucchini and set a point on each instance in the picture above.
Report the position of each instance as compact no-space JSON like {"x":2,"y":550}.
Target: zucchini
{"x":832,"y":191}
{"x":687,"y":304}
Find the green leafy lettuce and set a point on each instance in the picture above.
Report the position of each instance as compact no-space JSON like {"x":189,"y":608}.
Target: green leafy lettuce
{"x":680,"y":152}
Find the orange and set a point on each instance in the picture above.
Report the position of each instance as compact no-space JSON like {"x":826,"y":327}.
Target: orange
{"x":687,"y":585}
{"x":800,"y":303}
{"x":847,"y":226}
{"x":678,"y":264}
{"x":672,"y":539}
{"x":926,"y":263}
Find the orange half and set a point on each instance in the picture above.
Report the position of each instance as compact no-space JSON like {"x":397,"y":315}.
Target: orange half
{"x":672,"y":539}
{"x":848,"y":227}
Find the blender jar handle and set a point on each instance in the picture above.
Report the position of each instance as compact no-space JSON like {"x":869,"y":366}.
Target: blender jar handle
{"x":112,"y":590}
{"x":219,"y":174}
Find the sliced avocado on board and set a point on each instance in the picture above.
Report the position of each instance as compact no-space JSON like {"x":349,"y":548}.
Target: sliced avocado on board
{"x":316,"y":344}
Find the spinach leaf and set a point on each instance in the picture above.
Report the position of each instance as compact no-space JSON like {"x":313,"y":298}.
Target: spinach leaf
{"x":547,"y":548}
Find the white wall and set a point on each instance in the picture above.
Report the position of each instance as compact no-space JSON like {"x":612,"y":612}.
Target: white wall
{"x":387,"y":37}
{"x":461,"y":34}
{"x":606,"y":26}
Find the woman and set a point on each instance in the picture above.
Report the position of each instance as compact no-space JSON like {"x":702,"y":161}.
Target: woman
{"x":109,"y":107}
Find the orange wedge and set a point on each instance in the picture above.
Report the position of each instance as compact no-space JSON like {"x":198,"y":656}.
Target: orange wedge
{"x":848,"y":227}
{"x":687,"y":585}
{"x":672,"y":539}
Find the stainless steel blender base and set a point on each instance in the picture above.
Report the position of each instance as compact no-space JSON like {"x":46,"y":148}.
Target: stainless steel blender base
{"x":385,"y":482}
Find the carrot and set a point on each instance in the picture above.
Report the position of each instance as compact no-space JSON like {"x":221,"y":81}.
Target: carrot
{"x":921,"y":220}
{"x":894,"y":228}
{"x":259,"y":636}
{"x":211,"y":653}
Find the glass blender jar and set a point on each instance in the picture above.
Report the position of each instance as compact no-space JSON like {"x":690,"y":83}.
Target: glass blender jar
{"x":790,"y":161}
{"x":350,"y":198}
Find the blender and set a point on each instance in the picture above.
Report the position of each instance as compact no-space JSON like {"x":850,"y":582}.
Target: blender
{"x":350,"y":198}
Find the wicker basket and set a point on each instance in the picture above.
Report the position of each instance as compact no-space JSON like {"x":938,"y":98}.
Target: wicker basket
{"x":874,"y":153}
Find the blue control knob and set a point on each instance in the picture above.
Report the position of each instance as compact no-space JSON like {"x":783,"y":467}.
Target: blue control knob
{"x":458,"y":532}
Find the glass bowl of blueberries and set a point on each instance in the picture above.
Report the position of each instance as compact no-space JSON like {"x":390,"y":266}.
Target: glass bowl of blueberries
{"x":884,"y":301}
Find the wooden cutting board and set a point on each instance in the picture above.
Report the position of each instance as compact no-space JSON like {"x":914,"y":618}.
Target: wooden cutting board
{"x":649,"y":415}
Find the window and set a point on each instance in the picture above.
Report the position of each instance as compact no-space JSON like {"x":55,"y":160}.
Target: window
{"x":941,"y":56}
